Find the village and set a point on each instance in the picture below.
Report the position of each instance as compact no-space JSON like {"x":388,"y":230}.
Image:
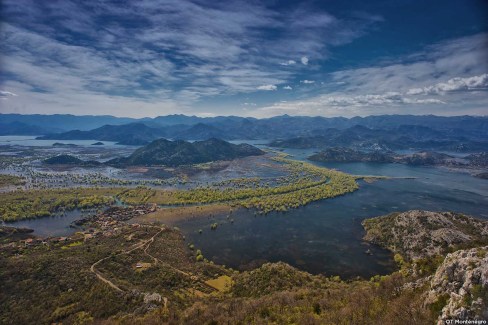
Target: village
{"x":108,"y":223}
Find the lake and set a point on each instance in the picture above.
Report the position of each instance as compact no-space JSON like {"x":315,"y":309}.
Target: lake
{"x":326,"y":237}
{"x":53,"y":226}
{"x":323,"y":237}
{"x":24,"y":140}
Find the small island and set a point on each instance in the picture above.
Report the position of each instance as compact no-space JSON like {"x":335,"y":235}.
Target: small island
{"x":64,"y":145}
{"x":70,"y":160}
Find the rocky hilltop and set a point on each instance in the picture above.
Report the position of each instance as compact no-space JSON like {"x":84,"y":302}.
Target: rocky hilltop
{"x":442,"y":254}
{"x":179,"y":152}
{"x":461,"y":283}
{"x":419,"y":234}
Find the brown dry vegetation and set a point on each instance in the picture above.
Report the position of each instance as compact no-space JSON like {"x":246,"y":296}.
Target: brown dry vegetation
{"x":177,"y":213}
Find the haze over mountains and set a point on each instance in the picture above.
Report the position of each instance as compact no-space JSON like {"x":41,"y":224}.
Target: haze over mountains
{"x":461,"y":133}
{"x":68,"y":122}
{"x":397,"y":138}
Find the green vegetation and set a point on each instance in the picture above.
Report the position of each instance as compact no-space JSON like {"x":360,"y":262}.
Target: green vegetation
{"x":306,"y":183}
{"x":11,"y":180}
{"x":147,"y":266}
{"x":40,"y":203}
{"x":437,"y":306}
{"x":280,"y":294}
{"x":55,"y":285}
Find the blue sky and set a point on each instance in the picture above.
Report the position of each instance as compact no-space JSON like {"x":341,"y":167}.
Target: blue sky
{"x":246,"y":58}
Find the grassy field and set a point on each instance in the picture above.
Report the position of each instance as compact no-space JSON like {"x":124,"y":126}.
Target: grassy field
{"x":306,"y":183}
{"x":175,"y":213}
{"x":11,"y":180}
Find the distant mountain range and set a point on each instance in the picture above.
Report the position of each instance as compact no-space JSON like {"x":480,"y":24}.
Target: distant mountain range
{"x":400,"y":138}
{"x":19,"y":128}
{"x":476,"y":124}
{"x":179,"y":152}
{"x":129,"y":134}
{"x":65,"y":122}
{"x":462,"y":133}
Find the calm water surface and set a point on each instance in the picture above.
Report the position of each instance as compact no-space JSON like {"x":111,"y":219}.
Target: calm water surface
{"x":49,"y":226}
{"x":21,"y":140}
{"x":323,"y":237}
{"x":326,"y":236}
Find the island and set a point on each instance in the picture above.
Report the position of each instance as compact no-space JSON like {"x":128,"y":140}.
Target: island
{"x":421,"y":158}
{"x":179,"y":152}
{"x":70,"y":160}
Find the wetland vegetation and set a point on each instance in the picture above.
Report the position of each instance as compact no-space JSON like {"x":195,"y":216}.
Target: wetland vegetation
{"x":18,"y":205}
{"x":135,"y":273}
{"x":306,"y":183}
{"x":11,"y":180}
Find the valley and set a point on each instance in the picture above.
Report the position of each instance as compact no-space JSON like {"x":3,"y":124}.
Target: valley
{"x":173,"y":230}
{"x":199,"y":162}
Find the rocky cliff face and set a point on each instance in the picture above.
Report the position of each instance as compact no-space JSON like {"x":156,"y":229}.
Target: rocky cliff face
{"x":421,"y":234}
{"x":461,"y":285}
{"x":446,"y":254}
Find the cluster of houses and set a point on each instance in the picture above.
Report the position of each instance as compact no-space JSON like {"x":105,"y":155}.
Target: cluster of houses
{"x":33,"y":241}
{"x":112,"y":220}
{"x":108,"y":223}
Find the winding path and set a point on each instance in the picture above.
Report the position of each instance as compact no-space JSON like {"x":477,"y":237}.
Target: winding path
{"x":107,"y":281}
{"x":145,"y":244}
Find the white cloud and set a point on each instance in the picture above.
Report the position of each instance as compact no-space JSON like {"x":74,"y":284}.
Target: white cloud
{"x":267,"y":87}
{"x":5,"y":94}
{"x":289,"y":62}
{"x":172,"y":55}
{"x":288,"y":88}
{"x":448,"y":78}
{"x":304,"y":60}
{"x":455,"y":84}
{"x":456,"y":58}
{"x":307,"y":81}
{"x":390,"y":98}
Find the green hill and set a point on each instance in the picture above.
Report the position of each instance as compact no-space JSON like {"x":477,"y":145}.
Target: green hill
{"x":179,"y":152}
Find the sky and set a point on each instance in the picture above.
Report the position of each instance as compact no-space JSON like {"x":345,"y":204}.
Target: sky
{"x":246,"y":58}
